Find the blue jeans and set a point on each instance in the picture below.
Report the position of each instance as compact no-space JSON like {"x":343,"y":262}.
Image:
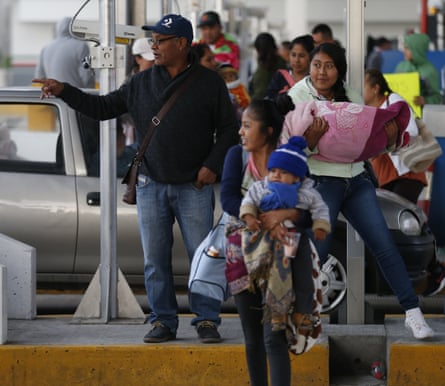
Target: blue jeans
{"x":356,"y":199}
{"x":159,"y":206}
{"x":263,"y":346}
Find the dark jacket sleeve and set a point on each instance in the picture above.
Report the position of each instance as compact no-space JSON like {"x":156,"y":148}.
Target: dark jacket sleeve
{"x":276,"y":84}
{"x":232,"y":177}
{"x":100,"y":107}
{"x":226,"y":131}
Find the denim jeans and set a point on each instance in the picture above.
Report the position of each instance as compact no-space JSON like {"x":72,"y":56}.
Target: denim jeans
{"x":159,"y":206}
{"x":263,"y":346}
{"x":356,"y":199}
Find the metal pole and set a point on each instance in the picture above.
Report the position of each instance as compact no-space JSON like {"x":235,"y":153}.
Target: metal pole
{"x":108,"y":259}
{"x":355,"y":252}
{"x":5,"y":41}
{"x":355,"y":41}
{"x":166,"y":7}
{"x":116,"y":299}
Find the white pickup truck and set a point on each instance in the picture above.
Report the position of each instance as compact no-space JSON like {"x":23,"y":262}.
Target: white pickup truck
{"x":50,"y":195}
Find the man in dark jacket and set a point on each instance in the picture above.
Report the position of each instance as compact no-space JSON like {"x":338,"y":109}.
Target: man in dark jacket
{"x":180,"y":166}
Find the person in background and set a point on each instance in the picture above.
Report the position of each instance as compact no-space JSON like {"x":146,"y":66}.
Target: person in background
{"x":63,"y":58}
{"x":322,"y":33}
{"x":234,"y":85}
{"x":391,"y":173}
{"x":143,"y":59}
{"x":260,"y":130}
{"x":207,"y":59}
{"x":415,"y":49}
{"x":182,"y":162}
{"x":284,"y":50}
{"x":283,"y":79}
{"x":268,"y":63}
{"x":347,"y":187}
{"x":124,"y":155}
{"x":142,"y":54}
{"x":375,"y":58}
{"x":8,"y":148}
{"x":205,"y":55}
{"x":224,"y":46}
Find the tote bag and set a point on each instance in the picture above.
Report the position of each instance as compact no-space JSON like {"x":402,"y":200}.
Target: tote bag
{"x":207,"y":275}
{"x":421,"y":153}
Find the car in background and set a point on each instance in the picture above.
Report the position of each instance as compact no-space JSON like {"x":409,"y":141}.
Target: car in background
{"x":50,"y":199}
{"x":416,"y":243}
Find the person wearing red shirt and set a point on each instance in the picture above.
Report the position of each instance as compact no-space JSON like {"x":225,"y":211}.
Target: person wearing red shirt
{"x":224,"y":46}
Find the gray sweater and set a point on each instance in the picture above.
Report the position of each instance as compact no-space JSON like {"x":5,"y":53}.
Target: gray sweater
{"x":197,"y":130}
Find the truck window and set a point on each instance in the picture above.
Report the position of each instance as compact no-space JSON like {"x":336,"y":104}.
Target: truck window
{"x":89,"y":134}
{"x":30,"y":139}
{"x":89,"y":131}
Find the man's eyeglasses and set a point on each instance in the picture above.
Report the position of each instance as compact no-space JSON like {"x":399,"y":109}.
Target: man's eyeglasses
{"x":158,"y":42}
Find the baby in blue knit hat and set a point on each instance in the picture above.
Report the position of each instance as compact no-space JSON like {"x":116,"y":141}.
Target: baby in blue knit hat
{"x":285,"y":274}
{"x":286,"y":186}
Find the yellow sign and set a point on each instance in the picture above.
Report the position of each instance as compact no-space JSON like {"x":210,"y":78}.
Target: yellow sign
{"x":407,"y":85}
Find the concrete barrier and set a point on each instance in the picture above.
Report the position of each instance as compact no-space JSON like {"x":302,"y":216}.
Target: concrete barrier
{"x":20,"y":261}
{"x":3,"y":306}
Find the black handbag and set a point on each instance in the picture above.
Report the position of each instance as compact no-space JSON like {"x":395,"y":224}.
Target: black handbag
{"x":131,"y":177}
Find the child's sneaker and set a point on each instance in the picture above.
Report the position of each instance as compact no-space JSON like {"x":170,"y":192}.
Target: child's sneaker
{"x":415,"y":322}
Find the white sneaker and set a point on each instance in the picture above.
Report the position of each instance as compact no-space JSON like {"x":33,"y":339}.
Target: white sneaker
{"x":416,"y":324}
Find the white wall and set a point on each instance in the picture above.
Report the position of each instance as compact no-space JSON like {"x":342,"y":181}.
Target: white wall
{"x":33,"y":26}
{"x":382,"y":17}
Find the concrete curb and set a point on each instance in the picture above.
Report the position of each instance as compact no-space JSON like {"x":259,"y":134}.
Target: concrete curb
{"x":413,"y":362}
{"x":211,"y":365}
{"x":53,"y":351}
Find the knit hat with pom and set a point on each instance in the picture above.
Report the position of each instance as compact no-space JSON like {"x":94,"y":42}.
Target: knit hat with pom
{"x":290,"y":157}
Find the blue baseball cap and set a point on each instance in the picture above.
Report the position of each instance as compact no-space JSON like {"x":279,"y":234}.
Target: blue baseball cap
{"x":172,"y":25}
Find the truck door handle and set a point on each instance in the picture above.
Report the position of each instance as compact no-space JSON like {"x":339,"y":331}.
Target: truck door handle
{"x":93,"y":198}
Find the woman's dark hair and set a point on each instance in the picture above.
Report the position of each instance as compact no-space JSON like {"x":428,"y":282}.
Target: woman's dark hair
{"x":375,"y":77}
{"x":306,"y":41}
{"x":200,"y":49}
{"x":271,"y":114}
{"x":266,"y":48}
{"x":337,"y":54}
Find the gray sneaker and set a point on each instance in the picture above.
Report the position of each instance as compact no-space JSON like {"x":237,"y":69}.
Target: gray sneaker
{"x":208,"y":332}
{"x":159,"y":333}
